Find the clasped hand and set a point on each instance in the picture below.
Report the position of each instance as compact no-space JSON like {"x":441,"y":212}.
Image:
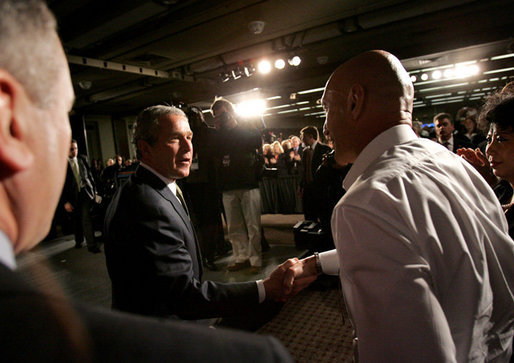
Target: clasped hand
{"x":289,"y":278}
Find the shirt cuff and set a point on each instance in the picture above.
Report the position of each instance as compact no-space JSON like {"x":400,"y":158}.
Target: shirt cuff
{"x":262,"y":290}
{"x":329,"y":262}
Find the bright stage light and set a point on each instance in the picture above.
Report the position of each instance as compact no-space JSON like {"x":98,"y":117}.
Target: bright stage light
{"x":251,"y":108}
{"x":264,"y":67}
{"x":413,"y":78}
{"x":280,"y":63}
{"x":424,"y":77}
{"x":436,"y":74}
{"x":449,"y":73}
{"x":295,"y":61}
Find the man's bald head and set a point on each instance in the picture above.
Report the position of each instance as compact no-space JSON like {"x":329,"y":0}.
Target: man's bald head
{"x":364,"y":97}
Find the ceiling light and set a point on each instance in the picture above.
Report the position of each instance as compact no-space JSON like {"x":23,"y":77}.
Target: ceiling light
{"x":449,"y":73}
{"x":295,"y":61}
{"x":225,"y":77}
{"x":280,"y":63}
{"x":256,"y":27}
{"x":249,"y":70}
{"x":413,"y":78}
{"x":424,"y":77}
{"x":237,"y":73}
{"x":436,"y":74}
{"x":85,"y":84}
{"x":264,"y":67}
{"x":251,"y":108}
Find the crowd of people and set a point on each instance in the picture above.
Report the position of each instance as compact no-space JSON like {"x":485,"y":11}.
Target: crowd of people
{"x":423,"y":250}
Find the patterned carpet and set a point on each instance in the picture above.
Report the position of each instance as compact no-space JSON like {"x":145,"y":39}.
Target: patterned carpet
{"x":312,"y":327}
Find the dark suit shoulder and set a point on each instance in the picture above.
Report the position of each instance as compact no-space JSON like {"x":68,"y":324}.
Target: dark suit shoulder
{"x":39,"y":327}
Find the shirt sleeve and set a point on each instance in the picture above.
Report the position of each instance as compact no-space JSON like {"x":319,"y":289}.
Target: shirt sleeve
{"x":262,"y":291}
{"x":329,"y":262}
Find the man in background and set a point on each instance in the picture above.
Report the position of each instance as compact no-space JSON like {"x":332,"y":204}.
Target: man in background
{"x":444,"y":129}
{"x":313,"y":202}
{"x":78,"y":197}
{"x":36,"y":95}
{"x":238,"y":177}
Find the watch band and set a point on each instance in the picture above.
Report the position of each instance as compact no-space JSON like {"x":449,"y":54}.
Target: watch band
{"x":319,"y":269}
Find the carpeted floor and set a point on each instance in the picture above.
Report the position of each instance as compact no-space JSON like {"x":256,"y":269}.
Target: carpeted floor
{"x":314,"y":327}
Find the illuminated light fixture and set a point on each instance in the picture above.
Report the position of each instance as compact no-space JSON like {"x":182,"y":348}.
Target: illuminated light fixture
{"x":249,"y":70}
{"x":436,"y":74}
{"x":500,"y":70}
{"x":449,"y":73}
{"x":264,"y":67}
{"x":251,"y":108}
{"x":237,"y":73}
{"x":311,"y":90}
{"x":503,"y":56}
{"x":424,"y":77}
{"x":273,"y":98}
{"x":225,"y":77}
{"x":280,"y":63}
{"x":287,"y":111}
{"x":473,"y":70}
{"x":413,"y":78}
{"x":295,"y":61}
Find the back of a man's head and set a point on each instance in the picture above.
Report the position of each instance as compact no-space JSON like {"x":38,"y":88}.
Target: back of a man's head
{"x":28,"y":41}
{"x":365,"y":96}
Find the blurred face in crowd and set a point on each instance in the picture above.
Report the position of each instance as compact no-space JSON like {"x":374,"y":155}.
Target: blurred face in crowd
{"x":500,"y":152}
{"x":171,"y":154}
{"x":444,"y":129}
{"x":295,"y":142}
{"x":74,"y":150}
{"x":470,"y":125}
{"x":221,"y":117}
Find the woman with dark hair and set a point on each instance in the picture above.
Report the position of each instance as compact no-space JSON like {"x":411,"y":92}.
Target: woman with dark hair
{"x":498,"y":114}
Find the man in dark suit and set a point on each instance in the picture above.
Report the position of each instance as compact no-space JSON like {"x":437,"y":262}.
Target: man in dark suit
{"x":312,"y":159}
{"x":151,"y":248}
{"x":444,"y":130}
{"x":36,"y":95}
{"x":78,"y":197}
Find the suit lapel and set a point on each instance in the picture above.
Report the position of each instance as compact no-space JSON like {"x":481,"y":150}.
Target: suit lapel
{"x":167,"y":194}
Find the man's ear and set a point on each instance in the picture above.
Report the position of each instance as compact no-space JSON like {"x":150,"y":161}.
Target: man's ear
{"x":355,"y":100}
{"x":15,"y":151}
{"x":144,"y":147}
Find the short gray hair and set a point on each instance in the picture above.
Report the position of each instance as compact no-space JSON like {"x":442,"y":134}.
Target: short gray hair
{"x":147,"y":124}
{"x":28,"y":41}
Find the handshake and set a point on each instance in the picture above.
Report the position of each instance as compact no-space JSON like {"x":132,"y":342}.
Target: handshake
{"x":289,"y":278}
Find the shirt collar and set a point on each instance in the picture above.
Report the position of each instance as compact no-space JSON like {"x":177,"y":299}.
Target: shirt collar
{"x":6,"y":252}
{"x":394,"y":136}
{"x":169,"y":183}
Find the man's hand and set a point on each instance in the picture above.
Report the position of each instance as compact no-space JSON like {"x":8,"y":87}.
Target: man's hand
{"x":300,"y":275}
{"x":274,"y":283}
{"x":68,"y":207}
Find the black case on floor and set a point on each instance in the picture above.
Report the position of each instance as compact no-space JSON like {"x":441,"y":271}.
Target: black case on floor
{"x":309,"y":235}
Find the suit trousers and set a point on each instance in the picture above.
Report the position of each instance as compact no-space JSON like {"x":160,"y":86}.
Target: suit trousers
{"x":243,"y":212}
{"x":82,"y":224}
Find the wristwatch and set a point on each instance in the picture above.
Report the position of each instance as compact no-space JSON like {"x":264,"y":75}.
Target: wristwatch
{"x":319,"y":270}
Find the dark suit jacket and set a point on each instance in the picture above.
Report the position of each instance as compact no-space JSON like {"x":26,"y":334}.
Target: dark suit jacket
{"x":317,"y":158}
{"x":71,"y":191}
{"x":40,"y":327}
{"x":460,"y":141}
{"x":153,"y":258}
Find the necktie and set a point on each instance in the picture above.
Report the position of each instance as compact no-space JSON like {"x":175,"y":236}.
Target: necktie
{"x":180,"y":197}
{"x":76,"y":172}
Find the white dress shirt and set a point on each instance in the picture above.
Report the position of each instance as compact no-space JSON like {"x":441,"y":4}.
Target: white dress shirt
{"x":173,"y":187}
{"x":6,"y":252}
{"x":423,"y":247}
